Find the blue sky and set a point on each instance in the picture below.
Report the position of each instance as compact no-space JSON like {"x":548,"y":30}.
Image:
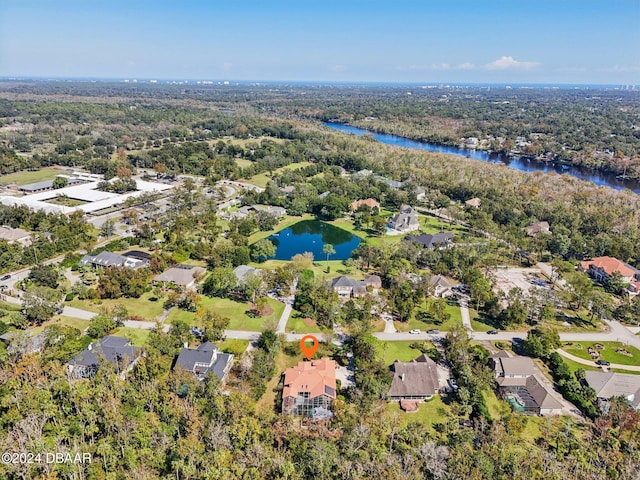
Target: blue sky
{"x":511,"y":41}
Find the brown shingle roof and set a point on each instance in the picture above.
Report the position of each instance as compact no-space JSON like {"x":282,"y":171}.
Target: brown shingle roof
{"x":416,"y":378}
{"x":609,"y":265}
{"x":370,"y":202}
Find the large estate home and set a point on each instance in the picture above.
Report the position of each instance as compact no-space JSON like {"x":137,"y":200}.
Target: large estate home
{"x":116,"y":350}
{"x":404,"y":221}
{"x":110,"y":259}
{"x":369,"y":202}
{"x":436,"y":241}
{"x":204,"y":360}
{"x":602,"y":268}
{"x":310,"y":388}
{"x":518,"y":384}
{"x":416,"y":380}
{"x":181,"y":275}
{"x":610,"y":384}
{"x":347,"y":287}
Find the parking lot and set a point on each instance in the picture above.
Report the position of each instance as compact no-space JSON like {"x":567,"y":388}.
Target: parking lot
{"x":523,"y":278}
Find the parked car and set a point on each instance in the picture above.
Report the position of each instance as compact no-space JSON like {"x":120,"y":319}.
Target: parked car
{"x":433,"y":331}
{"x":604,"y":363}
{"x":5,"y":277}
{"x":415,"y":330}
{"x":453,"y":383}
{"x":492,"y":332}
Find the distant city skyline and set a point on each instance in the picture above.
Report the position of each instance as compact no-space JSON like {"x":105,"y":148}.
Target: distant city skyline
{"x":458,"y":41}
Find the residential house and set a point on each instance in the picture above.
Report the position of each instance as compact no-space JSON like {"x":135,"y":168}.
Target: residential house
{"x":23,"y":342}
{"x":110,"y":259}
{"x":347,"y":287}
{"x":441,"y":286}
{"x":117,"y":351}
{"x":473,"y":202}
{"x":370,"y":202}
{"x":182,"y":275}
{"x":421,"y":193}
{"x":414,"y":380}
{"x":205,"y":360}
{"x":601,"y":268}
{"x":610,"y":384}
{"x":15,"y":235}
{"x":518,"y":384}
{"x":538,"y":228}
{"x":439,"y":240}
{"x":248,"y":210}
{"x":242,"y":272}
{"x":310,"y":388}
{"x":405,"y":221}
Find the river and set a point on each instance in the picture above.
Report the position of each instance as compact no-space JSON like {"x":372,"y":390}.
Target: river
{"x":518,"y":163}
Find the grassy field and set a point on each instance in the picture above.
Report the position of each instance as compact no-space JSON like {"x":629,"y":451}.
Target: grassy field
{"x":9,"y":307}
{"x":25,"y":177}
{"x":235,"y":311}
{"x":455,"y":319}
{"x":141,"y":307}
{"x":81,"y":325}
{"x":298,"y":324}
{"x":401,"y":350}
{"x":430,"y":413}
{"x":243,"y":163}
{"x":234,"y":346}
{"x":137,"y":336}
{"x":579,"y":349}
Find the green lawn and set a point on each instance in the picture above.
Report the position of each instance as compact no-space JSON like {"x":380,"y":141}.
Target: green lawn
{"x":234,"y":346}
{"x":137,"y":336}
{"x":235,"y":311}
{"x":497,"y":408}
{"x":434,"y":225}
{"x":25,"y":177}
{"x":455,"y":319}
{"x":297,"y":324}
{"x":573,"y":366}
{"x":430,"y":413}
{"x":401,"y":350}
{"x":283,"y":361}
{"x":243,"y":163}
{"x":609,"y":353}
{"x":141,"y":307}
{"x":9,"y":307}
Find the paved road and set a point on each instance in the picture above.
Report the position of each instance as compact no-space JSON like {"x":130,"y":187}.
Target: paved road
{"x":591,"y":363}
{"x":78,"y":313}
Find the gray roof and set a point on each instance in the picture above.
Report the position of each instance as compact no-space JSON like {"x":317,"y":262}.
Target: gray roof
{"x":416,"y":378}
{"x":204,"y":360}
{"x":609,"y":384}
{"x":242,"y":271}
{"x":34,"y":187}
{"x":110,"y":259}
{"x":431,"y":241}
{"x":515,"y":366}
{"x":114,"y":349}
{"x":439,"y":281}
{"x":180,"y":275}
{"x":11,"y":234}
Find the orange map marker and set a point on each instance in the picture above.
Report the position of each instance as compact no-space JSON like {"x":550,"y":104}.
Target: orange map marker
{"x":309,"y":351}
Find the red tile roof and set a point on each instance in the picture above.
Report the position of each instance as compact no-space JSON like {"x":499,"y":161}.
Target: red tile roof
{"x":311,"y":377}
{"x":609,"y":265}
{"x":369,"y":201}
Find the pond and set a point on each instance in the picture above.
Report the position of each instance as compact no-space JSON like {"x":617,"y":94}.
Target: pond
{"x":311,"y":236}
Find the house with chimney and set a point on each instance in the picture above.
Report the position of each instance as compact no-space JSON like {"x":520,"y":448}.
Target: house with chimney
{"x":117,"y":351}
{"x":413,"y":382}
{"x":310,"y":389}
{"x":205,"y":360}
{"x":347,"y":287}
{"x":404,"y":221}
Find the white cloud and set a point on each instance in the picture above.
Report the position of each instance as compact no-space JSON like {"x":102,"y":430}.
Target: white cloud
{"x":435,"y":67}
{"x":509,"y":63}
{"x":338,"y":68}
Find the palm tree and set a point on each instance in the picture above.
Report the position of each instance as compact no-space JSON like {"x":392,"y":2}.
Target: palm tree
{"x":328,"y":249}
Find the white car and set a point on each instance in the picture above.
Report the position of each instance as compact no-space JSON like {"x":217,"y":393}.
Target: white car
{"x":415,"y":330}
